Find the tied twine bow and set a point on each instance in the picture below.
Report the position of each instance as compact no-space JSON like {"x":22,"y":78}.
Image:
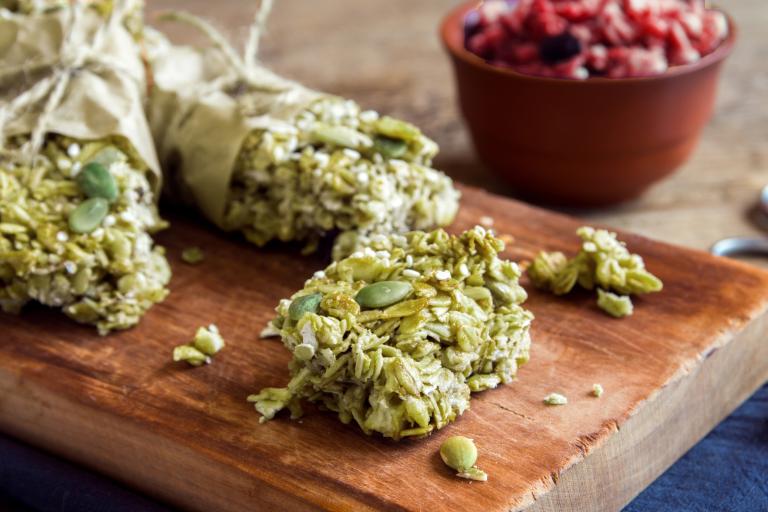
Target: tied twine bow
{"x":73,"y":57}
{"x":245,"y":70}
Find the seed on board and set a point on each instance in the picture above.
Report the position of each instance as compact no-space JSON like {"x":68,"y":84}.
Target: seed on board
{"x":88,"y":215}
{"x":305,"y":304}
{"x":192,"y":255}
{"x":383,"y":294}
{"x":556,"y":399}
{"x":459,"y":453}
{"x":96,"y":181}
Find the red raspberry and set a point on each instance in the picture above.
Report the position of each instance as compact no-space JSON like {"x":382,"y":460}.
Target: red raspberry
{"x":597,"y":57}
{"x":613,"y":38}
{"x":680,"y":50}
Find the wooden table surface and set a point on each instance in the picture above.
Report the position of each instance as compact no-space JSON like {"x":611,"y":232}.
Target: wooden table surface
{"x":387,"y":56}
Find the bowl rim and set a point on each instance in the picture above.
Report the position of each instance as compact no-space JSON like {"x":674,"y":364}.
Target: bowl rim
{"x":451,"y":34}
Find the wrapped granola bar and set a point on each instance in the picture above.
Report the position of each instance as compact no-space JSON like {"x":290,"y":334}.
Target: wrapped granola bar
{"x":397,"y":336}
{"x":78,"y":170}
{"x":274,"y":160}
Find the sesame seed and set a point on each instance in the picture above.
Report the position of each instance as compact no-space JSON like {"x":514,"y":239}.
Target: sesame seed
{"x":73,"y":150}
{"x":486,"y":221}
{"x":62,"y":236}
{"x":409,"y":272}
{"x":442,"y":275}
{"x":70,"y":267}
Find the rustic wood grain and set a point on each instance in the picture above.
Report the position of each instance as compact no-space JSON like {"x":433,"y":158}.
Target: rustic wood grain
{"x":387,"y":55}
{"x":187,"y":436}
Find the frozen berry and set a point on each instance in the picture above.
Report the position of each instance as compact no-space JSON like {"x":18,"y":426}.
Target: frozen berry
{"x":581,"y":38}
{"x":559,"y":48}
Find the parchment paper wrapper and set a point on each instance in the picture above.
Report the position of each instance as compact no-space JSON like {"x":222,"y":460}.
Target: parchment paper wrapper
{"x":72,"y":88}
{"x":199,"y":128}
{"x":99,"y":101}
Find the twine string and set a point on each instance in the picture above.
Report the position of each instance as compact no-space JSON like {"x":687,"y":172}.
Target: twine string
{"x":73,"y":57}
{"x":246,"y":68}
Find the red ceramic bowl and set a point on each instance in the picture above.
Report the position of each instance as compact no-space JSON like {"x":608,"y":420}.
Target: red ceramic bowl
{"x":592,"y":142}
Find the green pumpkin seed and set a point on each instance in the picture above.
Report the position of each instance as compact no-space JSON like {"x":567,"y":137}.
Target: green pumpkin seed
{"x":305,"y":304}
{"x":383,"y":294}
{"x":396,"y":129}
{"x":333,"y":135}
{"x":459,"y":453}
{"x":88,"y":216}
{"x":96,"y":181}
{"x":108,"y":155}
{"x":389,"y":147}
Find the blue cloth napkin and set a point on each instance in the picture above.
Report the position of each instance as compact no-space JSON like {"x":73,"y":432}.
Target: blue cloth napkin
{"x":727,"y":471}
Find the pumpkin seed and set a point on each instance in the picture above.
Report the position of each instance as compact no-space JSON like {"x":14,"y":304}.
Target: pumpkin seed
{"x":96,"y":181}
{"x":397,"y":129}
{"x":389,"y":147}
{"x":88,"y":215}
{"x":108,"y":155}
{"x":459,"y":453}
{"x":334,"y":135}
{"x":305,"y":304}
{"x":383,"y":294}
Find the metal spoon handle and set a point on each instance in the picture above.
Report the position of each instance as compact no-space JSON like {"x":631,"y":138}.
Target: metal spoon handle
{"x":740,"y":246}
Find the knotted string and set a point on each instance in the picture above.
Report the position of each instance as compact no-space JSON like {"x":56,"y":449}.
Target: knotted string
{"x":246,"y":68}
{"x":73,"y":57}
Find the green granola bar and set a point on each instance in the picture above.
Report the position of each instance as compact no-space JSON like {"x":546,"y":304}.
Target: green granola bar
{"x":336,"y":168}
{"x":397,"y":336}
{"x":603,"y":263}
{"x":99,"y":264}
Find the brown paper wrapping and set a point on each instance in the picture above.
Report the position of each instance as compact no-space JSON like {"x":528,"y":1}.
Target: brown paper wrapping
{"x":202,"y":109}
{"x":105,"y":93}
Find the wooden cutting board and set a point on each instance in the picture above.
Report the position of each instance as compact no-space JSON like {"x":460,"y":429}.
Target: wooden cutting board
{"x":687,"y":357}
